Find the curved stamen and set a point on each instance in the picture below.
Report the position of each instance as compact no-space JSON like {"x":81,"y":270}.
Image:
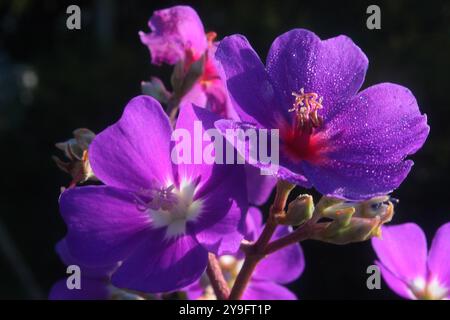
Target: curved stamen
{"x":306,"y":106}
{"x":156,"y":198}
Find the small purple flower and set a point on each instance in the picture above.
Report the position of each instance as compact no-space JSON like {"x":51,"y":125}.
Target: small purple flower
{"x":344,"y":143}
{"x":281,"y":267}
{"x":407,"y":267}
{"x":159,"y":219}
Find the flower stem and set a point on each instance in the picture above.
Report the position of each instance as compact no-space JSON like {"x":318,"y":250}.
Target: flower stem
{"x":216,"y":278}
{"x":255,"y":252}
{"x":304,"y":232}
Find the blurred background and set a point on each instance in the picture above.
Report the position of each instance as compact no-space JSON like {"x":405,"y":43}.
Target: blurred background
{"x":53,"y":80}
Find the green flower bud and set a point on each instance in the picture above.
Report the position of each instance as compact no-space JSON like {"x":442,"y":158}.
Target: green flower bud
{"x":299,"y":211}
{"x":355,"y":221}
{"x":156,"y":89}
{"x":194,"y":72}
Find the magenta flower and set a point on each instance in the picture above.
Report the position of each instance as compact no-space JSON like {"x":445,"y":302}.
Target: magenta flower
{"x":158,"y":218}
{"x":343,"y":143}
{"x":281,"y":267}
{"x":95,"y":282}
{"x":178,"y":35}
{"x":407,"y":267}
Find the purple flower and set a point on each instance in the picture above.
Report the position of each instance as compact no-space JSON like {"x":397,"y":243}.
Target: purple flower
{"x":158,"y":218}
{"x":343,"y":143}
{"x":178,"y":36}
{"x":407,"y":267}
{"x":175,"y":31}
{"x":281,"y":267}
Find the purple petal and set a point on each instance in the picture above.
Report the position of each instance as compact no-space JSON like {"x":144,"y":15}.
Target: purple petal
{"x":222,"y":188}
{"x":334,"y":68}
{"x":217,"y":100}
{"x":356,"y":181}
{"x":259,"y":187}
{"x":194,"y":291}
{"x":220,"y":225}
{"x":104,"y":225}
{"x":133,"y":152}
{"x":403,"y":251}
{"x":396,"y":284}
{"x":91,"y":289}
{"x":247,"y":81}
{"x":196,"y":96}
{"x":162,"y":265}
{"x":253,"y":224}
{"x":439,"y":256}
{"x":251,"y":151}
{"x":266,"y":290}
{"x":282,"y":266}
{"x":368,"y":142}
{"x":194,"y":121}
{"x":174,"y":30}
{"x":91,"y":272}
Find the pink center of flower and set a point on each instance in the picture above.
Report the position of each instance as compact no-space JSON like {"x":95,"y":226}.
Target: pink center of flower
{"x":300,"y":139}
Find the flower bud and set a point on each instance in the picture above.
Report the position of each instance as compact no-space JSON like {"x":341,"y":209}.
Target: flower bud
{"x":299,"y":211}
{"x":194,"y":72}
{"x":185,"y":74}
{"x":355,"y":221}
{"x":76,"y":151}
{"x":156,"y":89}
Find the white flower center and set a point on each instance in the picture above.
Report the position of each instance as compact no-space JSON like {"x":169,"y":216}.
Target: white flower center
{"x":428,"y":290}
{"x":171,"y":207}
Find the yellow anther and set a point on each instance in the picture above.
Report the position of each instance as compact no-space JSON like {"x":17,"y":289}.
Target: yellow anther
{"x":306,"y":106}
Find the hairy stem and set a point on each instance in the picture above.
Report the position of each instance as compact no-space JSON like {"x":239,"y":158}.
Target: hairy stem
{"x":216,"y":278}
{"x":254,"y":253}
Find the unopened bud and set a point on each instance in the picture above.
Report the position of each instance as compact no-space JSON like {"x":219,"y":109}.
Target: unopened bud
{"x":156,"y":89}
{"x":185,"y":74}
{"x":299,"y":211}
{"x":76,"y":151}
{"x":194,"y":72}
{"x":176,"y":79}
{"x":355,"y":221}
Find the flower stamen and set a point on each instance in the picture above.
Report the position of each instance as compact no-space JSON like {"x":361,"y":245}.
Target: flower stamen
{"x":306,"y":107}
{"x":170,"y":206}
{"x":162,"y":198}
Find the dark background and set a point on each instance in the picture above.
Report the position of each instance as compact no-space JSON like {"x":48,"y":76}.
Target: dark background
{"x":53,"y":80}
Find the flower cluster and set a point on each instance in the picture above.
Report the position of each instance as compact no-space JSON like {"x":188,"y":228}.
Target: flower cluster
{"x":151,"y":226}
